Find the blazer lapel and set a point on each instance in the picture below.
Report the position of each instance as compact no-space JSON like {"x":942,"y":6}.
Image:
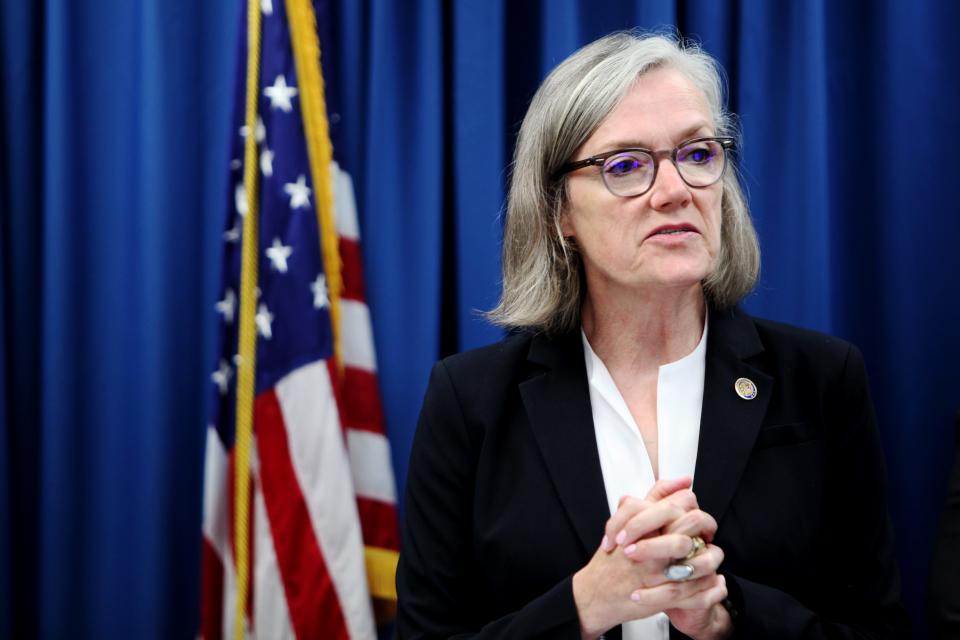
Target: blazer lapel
{"x":728,"y":423}
{"x":557,"y":402}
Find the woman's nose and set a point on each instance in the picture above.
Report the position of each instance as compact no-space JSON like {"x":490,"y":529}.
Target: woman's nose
{"x":669,"y":191}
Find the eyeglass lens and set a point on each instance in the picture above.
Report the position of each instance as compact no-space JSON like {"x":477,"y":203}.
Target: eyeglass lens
{"x":700,"y":164}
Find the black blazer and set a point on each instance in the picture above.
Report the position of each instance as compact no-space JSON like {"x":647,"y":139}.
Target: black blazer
{"x":505,"y":498}
{"x":944,"y":601}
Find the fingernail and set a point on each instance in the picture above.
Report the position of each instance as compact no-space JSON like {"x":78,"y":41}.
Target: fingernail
{"x":635,"y":596}
{"x":605,"y":544}
{"x":723,"y":580}
{"x":629,"y":550}
{"x":621,"y":537}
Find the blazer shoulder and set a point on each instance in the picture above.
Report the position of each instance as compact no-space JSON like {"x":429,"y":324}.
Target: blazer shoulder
{"x":497,"y":360}
{"x":484,"y":378}
{"x":797,"y":342}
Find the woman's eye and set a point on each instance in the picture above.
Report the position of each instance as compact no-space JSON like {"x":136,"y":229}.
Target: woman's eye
{"x":622,"y":166}
{"x":696,"y":155}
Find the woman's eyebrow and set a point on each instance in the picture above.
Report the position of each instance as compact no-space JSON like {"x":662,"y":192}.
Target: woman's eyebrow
{"x":633,"y":143}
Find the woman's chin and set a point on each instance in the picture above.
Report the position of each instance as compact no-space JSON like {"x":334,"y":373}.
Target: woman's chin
{"x":678,"y":279}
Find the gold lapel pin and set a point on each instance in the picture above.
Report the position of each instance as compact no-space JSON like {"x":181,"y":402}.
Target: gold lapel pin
{"x":745,"y":388}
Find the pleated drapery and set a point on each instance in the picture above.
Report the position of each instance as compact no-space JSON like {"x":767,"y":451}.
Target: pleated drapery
{"x":113,"y":166}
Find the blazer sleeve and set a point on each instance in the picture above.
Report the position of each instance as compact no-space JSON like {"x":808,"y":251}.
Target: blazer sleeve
{"x":438,"y":593}
{"x":861,"y":583}
{"x":944,"y":601}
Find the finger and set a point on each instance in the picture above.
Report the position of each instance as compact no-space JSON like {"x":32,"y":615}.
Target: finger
{"x":684,"y":498}
{"x":705,"y":598}
{"x":629,"y":507}
{"x":705,"y":563}
{"x":694,"y":523}
{"x":648,"y":521}
{"x":664,"y":487}
{"x":666,"y":547}
{"x":670,"y":595}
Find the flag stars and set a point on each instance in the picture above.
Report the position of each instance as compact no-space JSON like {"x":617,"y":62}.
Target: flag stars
{"x":221,"y":377}
{"x":266,"y":162}
{"x":266,"y":6}
{"x":232,"y":234}
{"x":240,"y":199}
{"x":259,"y":131}
{"x":280,"y":94}
{"x":299,"y":192}
{"x":227,"y":305}
{"x":264,"y":320}
{"x":278,"y":254}
{"x":321,"y":298}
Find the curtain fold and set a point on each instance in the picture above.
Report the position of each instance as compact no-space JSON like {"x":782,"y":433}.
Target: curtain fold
{"x":111,"y":112}
{"x":113,"y":169}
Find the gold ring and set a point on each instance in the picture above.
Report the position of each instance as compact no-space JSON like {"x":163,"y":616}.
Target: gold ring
{"x":696,"y":546}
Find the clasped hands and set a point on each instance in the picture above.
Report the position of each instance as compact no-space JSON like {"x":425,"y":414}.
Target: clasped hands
{"x":625,"y":578}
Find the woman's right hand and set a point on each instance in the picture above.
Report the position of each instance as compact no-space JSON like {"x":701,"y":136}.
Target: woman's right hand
{"x":612,"y":589}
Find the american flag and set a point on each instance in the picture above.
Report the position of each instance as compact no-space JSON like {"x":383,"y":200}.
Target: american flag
{"x":322,"y":527}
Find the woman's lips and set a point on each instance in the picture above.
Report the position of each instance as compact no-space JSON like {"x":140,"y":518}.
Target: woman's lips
{"x":673,"y":233}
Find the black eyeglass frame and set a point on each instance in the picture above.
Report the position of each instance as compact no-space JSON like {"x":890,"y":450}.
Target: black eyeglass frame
{"x":599,"y":160}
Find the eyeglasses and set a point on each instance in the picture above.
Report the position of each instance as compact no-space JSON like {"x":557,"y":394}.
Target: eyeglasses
{"x":631,"y":172}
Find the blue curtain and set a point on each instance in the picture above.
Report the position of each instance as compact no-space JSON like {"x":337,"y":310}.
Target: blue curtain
{"x":112,"y":169}
{"x":114,"y":137}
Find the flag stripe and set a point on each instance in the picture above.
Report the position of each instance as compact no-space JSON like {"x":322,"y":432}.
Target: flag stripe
{"x":357,"y":338}
{"x":311,"y":598}
{"x":361,"y":401}
{"x":211,"y":604}
{"x":352,"y":270}
{"x":215,"y":498}
{"x":345,"y":204}
{"x":378,"y":520}
{"x":271,"y":619}
{"x":369,"y":462}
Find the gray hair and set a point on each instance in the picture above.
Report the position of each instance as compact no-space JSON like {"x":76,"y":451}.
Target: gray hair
{"x":543,"y":282}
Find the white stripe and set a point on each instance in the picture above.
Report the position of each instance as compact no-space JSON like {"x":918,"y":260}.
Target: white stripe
{"x":216,"y":524}
{"x":271,"y":616}
{"x":357,"y":339}
{"x":344,"y":203}
{"x":215,"y":496}
{"x":320,"y":463}
{"x":371,"y":466}
{"x":229,"y":595}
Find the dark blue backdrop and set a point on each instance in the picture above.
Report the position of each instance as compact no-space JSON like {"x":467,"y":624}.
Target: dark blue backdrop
{"x":114,"y":149}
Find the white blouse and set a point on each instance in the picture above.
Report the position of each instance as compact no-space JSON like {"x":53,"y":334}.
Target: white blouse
{"x":624,"y":461}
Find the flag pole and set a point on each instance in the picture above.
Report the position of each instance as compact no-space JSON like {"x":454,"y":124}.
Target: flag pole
{"x":247,"y":348}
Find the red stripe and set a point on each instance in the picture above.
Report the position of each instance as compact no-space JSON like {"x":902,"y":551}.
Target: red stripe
{"x":311,"y":598}
{"x":352,"y":271}
{"x":379,"y":523}
{"x":211,"y":593}
{"x":360,"y":394}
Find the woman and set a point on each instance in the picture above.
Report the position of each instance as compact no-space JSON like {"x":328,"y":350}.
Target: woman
{"x":533,"y":505}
